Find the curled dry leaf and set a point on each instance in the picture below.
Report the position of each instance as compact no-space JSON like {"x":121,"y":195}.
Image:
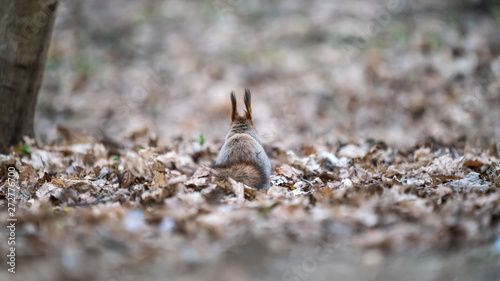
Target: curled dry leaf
{"x":471,"y":182}
{"x":352,"y":151}
{"x":238,"y":189}
{"x":200,"y":178}
{"x":136,"y":165}
{"x":125,"y":179}
{"x":47,"y":190}
{"x":159,"y":181}
{"x":308,"y":163}
{"x":289,"y":172}
{"x":474,"y":162}
{"x":27,"y":176}
{"x":444,"y":165}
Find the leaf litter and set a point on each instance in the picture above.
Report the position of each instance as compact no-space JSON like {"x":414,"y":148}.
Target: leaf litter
{"x":152,"y":201}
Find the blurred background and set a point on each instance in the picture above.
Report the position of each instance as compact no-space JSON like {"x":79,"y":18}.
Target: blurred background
{"x":403,"y":72}
{"x":397,"y":71}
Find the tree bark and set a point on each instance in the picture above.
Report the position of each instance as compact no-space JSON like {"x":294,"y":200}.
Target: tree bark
{"x":25,"y":32}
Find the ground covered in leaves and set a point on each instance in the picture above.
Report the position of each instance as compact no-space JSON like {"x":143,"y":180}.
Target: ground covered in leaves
{"x":380,"y":118}
{"x":90,"y":211}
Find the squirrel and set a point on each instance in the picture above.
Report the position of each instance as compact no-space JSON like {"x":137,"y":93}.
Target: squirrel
{"x":242,"y":157}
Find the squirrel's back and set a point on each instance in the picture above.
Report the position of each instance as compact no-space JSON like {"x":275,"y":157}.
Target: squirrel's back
{"x":242,"y":157}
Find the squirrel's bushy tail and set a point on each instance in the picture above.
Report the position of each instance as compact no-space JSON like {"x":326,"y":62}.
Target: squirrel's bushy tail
{"x":251,"y":175}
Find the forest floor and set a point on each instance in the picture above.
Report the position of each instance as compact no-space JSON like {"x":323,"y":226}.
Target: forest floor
{"x":380,"y":119}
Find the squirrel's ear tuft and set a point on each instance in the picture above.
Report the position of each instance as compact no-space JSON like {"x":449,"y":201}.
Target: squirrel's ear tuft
{"x":234,"y":110}
{"x":248,"y":104}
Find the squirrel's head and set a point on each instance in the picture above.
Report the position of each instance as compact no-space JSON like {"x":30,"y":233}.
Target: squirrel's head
{"x":242,"y":123}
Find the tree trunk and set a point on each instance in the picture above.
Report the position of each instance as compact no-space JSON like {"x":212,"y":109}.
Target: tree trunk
{"x":25,"y":32}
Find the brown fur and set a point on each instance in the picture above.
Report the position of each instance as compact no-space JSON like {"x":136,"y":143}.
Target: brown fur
{"x":242,"y":157}
{"x":234,"y":109}
{"x":248,"y":106}
{"x":236,"y":118}
{"x":248,"y":174}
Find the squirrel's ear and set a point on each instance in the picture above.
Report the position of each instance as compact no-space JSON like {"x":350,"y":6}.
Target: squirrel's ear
{"x":248,"y":104}
{"x":234,"y":110}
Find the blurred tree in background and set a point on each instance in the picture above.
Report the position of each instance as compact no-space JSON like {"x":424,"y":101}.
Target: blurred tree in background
{"x":25,"y":32}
